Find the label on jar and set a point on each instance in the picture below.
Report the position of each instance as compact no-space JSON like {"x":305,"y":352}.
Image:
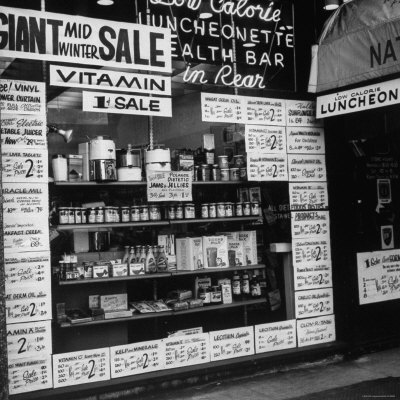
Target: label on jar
{"x":212,"y":211}
{"x":63,"y":216}
{"x":228,"y":210}
{"x":216,"y":297}
{"x":204,"y":211}
{"x":135,"y":214}
{"x":221,"y":210}
{"x":125,"y":217}
{"x":91,"y":216}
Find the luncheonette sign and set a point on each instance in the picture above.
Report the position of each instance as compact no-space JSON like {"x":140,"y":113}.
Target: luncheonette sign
{"x":359,"y":99}
{"x":73,"y":39}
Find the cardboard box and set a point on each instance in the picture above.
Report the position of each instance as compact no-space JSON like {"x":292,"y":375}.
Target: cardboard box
{"x":189,"y":254}
{"x":201,"y":282}
{"x":114,"y":302}
{"x":119,"y":270}
{"x":249,"y":240}
{"x":136,"y":269}
{"x":100,"y":271}
{"x":215,"y":251}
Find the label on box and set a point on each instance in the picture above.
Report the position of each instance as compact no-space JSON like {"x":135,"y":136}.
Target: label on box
{"x":187,"y":350}
{"x":313,"y":276}
{"x":231,"y":343}
{"x":309,"y":224}
{"x":308,"y":196}
{"x":236,"y":253}
{"x":265,"y":139}
{"x":305,"y":140}
{"x":81,"y":367}
{"x":119,"y":270}
{"x":136,"y":269}
{"x":275,"y":336}
{"x":316,"y":330}
{"x":226,"y":293}
{"x":307,"y":252}
{"x":29,"y":374}
{"x":100,"y":271}
{"x":137,"y":358}
{"x":114,"y":302}
{"x":215,"y":252}
{"x":306,"y":168}
{"x":313,"y":303}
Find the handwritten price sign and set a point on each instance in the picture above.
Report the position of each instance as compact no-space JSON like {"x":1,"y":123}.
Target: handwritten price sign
{"x":302,"y":113}
{"x":308,"y":252}
{"x":306,"y":168}
{"x":311,"y":196}
{"x":265,"y":139}
{"x":169,"y":186}
{"x":275,"y":336}
{"x":222,"y":108}
{"x":310,"y":224}
{"x":81,"y":367}
{"x":316,"y":330}
{"x":262,"y":111}
{"x":305,"y":140}
{"x":313,"y":276}
{"x":263,"y":167}
{"x":312,"y":303}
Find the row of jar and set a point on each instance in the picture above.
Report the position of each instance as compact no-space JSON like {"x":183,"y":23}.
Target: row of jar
{"x":152,"y":212}
{"x":206,"y":172}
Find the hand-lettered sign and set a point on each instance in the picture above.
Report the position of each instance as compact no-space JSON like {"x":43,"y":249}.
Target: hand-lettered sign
{"x":265,"y":139}
{"x":169,"y":186}
{"x":313,"y":303}
{"x":316,"y":330}
{"x":275,"y":336}
{"x":308,"y":196}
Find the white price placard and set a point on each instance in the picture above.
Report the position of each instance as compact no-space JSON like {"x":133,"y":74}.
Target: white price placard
{"x":308,"y":196}
{"x":306,"y":168}
{"x":80,"y":367}
{"x":305,"y":140}
{"x":22,"y":97}
{"x":29,"y":340}
{"x":169,"y":186}
{"x":222,"y":108}
{"x":187,"y":350}
{"x":316,"y":330}
{"x":29,"y":374}
{"x":25,"y":166}
{"x":265,"y":111}
{"x":301,"y":113}
{"x":23,"y":132}
{"x":265,"y":139}
{"x":378,"y":276}
{"x":313,"y":276}
{"x":264,"y":167}
{"x":313,"y":303}
{"x":307,"y":252}
{"x":275,"y":336}
{"x":137,"y":358}
{"x":306,"y":224}
{"x":232,"y":343}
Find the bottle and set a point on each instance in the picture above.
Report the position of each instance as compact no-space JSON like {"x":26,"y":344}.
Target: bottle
{"x":236,"y":291}
{"x":255,"y":288}
{"x":245,"y":286}
{"x":150,"y":265}
{"x":142,"y":257}
{"x":155,"y":252}
{"x":126,"y":255}
{"x":132,"y":257}
{"x":162,"y":261}
{"x":137,"y":253}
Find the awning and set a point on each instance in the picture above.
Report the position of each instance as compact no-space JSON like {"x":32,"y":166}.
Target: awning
{"x":359,"y":42}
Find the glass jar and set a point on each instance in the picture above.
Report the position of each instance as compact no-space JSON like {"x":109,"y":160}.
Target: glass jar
{"x":216,"y":295}
{"x":234,"y":174}
{"x":91,"y":215}
{"x":255,"y":208}
{"x":125,"y":214}
{"x":215,"y":173}
{"x":179,"y":211}
{"x":63,"y":215}
{"x":246,"y":208}
{"x":108,"y":214}
{"x":239,"y":209}
{"x":225,"y":174}
{"x":212,"y":210}
{"x":135,"y":213}
{"x":99,"y":215}
{"x":243,"y":174}
{"x":205,"y":172}
{"x":204,"y":210}
{"x":171,"y":211}
{"x":228,"y":209}
{"x":189,"y":211}
{"x":78,"y":215}
{"x":223,"y":162}
{"x":83,"y":215}
{"x":221,"y":210}
{"x":144,"y":213}
{"x":71,"y":215}
{"x":154,"y":212}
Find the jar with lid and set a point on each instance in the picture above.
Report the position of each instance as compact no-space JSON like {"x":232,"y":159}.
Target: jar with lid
{"x":154,"y":212}
{"x":234,"y":174}
{"x":243,"y":173}
{"x":125,"y":214}
{"x":228,"y":209}
{"x":223,"y":162}
{"x":215,"y":173}
{"x":63,"y":215}
{"x":189,"y":211}
{"x":236,"y":286}
{"x":78,"y":215}
{"x":83,"y":215}
{"x":99,"y":215}
{"x":91,"y":215}
{"x":224,"y":174}
{"x":144,"y":213}
{"x":204,"y":210}
{"x":108,"y":214}
{"x":216,"y":295}
{"x":205,"y":172}
{"x":135,"y":213}
{"x":255,"y":208}
{"x":116,"y":214}
{"x":179,"y":211}
{"x":239,"y":209}
{"x":171,"y":211}
{"x":246,"y":208}
{"x":221,"y":210}
{"x":205,"y":295}
{"x":212,"y":210}
{"x":71,"y":215}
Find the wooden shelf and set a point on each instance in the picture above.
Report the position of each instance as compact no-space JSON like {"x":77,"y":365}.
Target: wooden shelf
{"x":161,"y":275}
{"x":68,"y":227}
{"x":135,"y":317}
{"x":207,"y":220}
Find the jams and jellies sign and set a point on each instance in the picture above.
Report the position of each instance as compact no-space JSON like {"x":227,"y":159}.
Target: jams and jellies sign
{"x":48,"y":36}
{"x":169,"y":186}
{"x":256,"y":34}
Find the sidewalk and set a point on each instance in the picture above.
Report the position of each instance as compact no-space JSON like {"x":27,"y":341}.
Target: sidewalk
{"x":307,"y":380}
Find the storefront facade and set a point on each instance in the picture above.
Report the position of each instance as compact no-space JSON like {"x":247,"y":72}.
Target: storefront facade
{"x":160,"y":125}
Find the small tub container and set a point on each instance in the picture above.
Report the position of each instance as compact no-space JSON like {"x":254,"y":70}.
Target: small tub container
{"x":234,"y":174}
{"x":223,"y":162}
{"x":63,"y":215}
{"x":189,"y":211}
{"x":224,"y":174}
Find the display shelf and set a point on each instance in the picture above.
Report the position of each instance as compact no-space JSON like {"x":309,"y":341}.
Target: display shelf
{"x":171,"y":313}
{"x":206,"y":220}
{"x":70,"y":227}
{"x":160,"y":275}
{"x":92,"y":183}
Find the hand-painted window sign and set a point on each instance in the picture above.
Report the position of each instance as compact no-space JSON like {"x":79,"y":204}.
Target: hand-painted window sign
{"x":57,"y":37}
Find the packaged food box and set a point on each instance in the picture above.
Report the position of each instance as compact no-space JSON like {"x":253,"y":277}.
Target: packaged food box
{"x":215,"y":251}
{"x":168,"y":241}
{"x":249,"y":240}
{"x":236,"y":254}
{"x":189,"y":254}
{"x":114,"y":302}
{"x":100,"y":271}
{"x":119,"y":270}
{"x":201,"y":282}
{"x":136,"y":269}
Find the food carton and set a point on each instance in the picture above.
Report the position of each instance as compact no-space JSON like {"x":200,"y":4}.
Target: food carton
{"x":249,"y":240}
{"x":189,"y":254}
{"x":215,"y":251}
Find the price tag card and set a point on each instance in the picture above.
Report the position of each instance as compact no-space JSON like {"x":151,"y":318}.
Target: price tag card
{"x":23,"y":132}
{"x":307,"y":252}
{"x":305,"y":140}
{"x":29,"y":340}
{"x":313,"y":276}
{"x":265,"y":111}
{"x":302,"y":113}
{"x":275,"y":336}
{"x":222,"y":108}
{"x":264,"y":167}
{"x":25,"y":166}
{"x":80,"y":367}
{"x":310,"y":196}
{"x":169,"y":186}
{"x":28,"y":269}
{"x":29,"y":375}
{"x":313,"y":303}
{"x":22,"y":97}
{"x":378,"y":276}
{"x":137,"y":358}
{"x":265,"y":139}
{"x":28,"y":304}
{"x":232,"y":343}
{"x":316,"y":330}
{"x":306,"y":224}
{"x":182,"y":351}
{"x":306,"y":168}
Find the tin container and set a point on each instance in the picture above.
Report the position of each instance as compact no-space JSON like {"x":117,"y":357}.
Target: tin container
{"x":228,"y":209}
{"x":78,"y":215}
{"x":224,"y":174}
{"x":204,"y":210}
{"x":205,"y":295}
{"x":196,"y":171}
{"x":83,"y":215}
{"x":238,"y":161}
{"x":215,"y":173}
{"x":109,"y":214}
{"x":234,"y":174}
{"x":71,"y":215}
{"x":255,"y":208}
{"x":239,"y":209}
{"x":154,"y":212}
{"x":246,"y":208}
{"x":212,"y":210}
{"x":91,"y":215}
{"x":189,"y":211}
{"x":135,"y":213}
{"x":221,"y":210}
{"x":171,"y":211}
{"x":99,"y":215}
{"x":144,"y":213}
{"x":243,"y":173}
{"x":205,"y":172}
{"x":216,"y":295}
{"x":179,"y":211}
{"x":125,"y":214}
{"x":223,"y":162}
{"x":63,"y":215}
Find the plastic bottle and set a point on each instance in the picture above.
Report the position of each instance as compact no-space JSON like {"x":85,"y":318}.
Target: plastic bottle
{"x":255,"y":288}
{"x":126,"y":255}
{"x":162,"y":261}
{"x":245,"y":286}
{"x":236,"y":290}
{"x":150,"y":266}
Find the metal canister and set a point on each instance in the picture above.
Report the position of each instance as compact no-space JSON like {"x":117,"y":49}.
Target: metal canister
{"x":135,"y":213}
{"x":224,"y":174}
{"x":108,"y":214}
{"x":255,"y":208}
{"x":83,"y":215}
{"x":234,"y":174}
{"x":71,"y":215}
{"x":99,"y":215}
{"x":171,"y":211}
{"x":78,"y":215}
{"x":238,"y":161}
{"x":243,"y":173}
{"x":228,"y":209}
{"x":246,"y":208}
{"x":189,"y":211}
{"x":221,"y":210}
{"x":223,"y":162}
{"x":125,"y":214}
{"x":154,"y":212}
{"x":215,"y":173}
{"x":196,"y":170}
{"x":179,"y":211}
{"x":212,"y":210}
{"x":205,"y":172}
{"x":205,"y":295}
{"x":63,"y":215}
{"x":91,"y":215}
{"x":204,"y":210}
{"x":239,"y":209}
{"x":144,"y":213}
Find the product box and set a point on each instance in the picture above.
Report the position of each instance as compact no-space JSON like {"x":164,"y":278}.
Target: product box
{"x":215,"y":251}
{"x":119,"y":270}
{"x":100,"y":271}
{"x":249,"y":240}
{"x":201,"y":282}
{"x":75,"y":167}
{"x":226,"y":294}
{"x":136,"y":269}
{"x":236,"y":254}
{"x":114,"y":302}
{"x":185,"y":162}
{"x":189,"y":254}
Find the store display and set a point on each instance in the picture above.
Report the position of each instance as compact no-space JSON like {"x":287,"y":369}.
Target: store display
{"x":102,"y":159}
{"x":215,"y":252}
{"x":60,"y":167}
